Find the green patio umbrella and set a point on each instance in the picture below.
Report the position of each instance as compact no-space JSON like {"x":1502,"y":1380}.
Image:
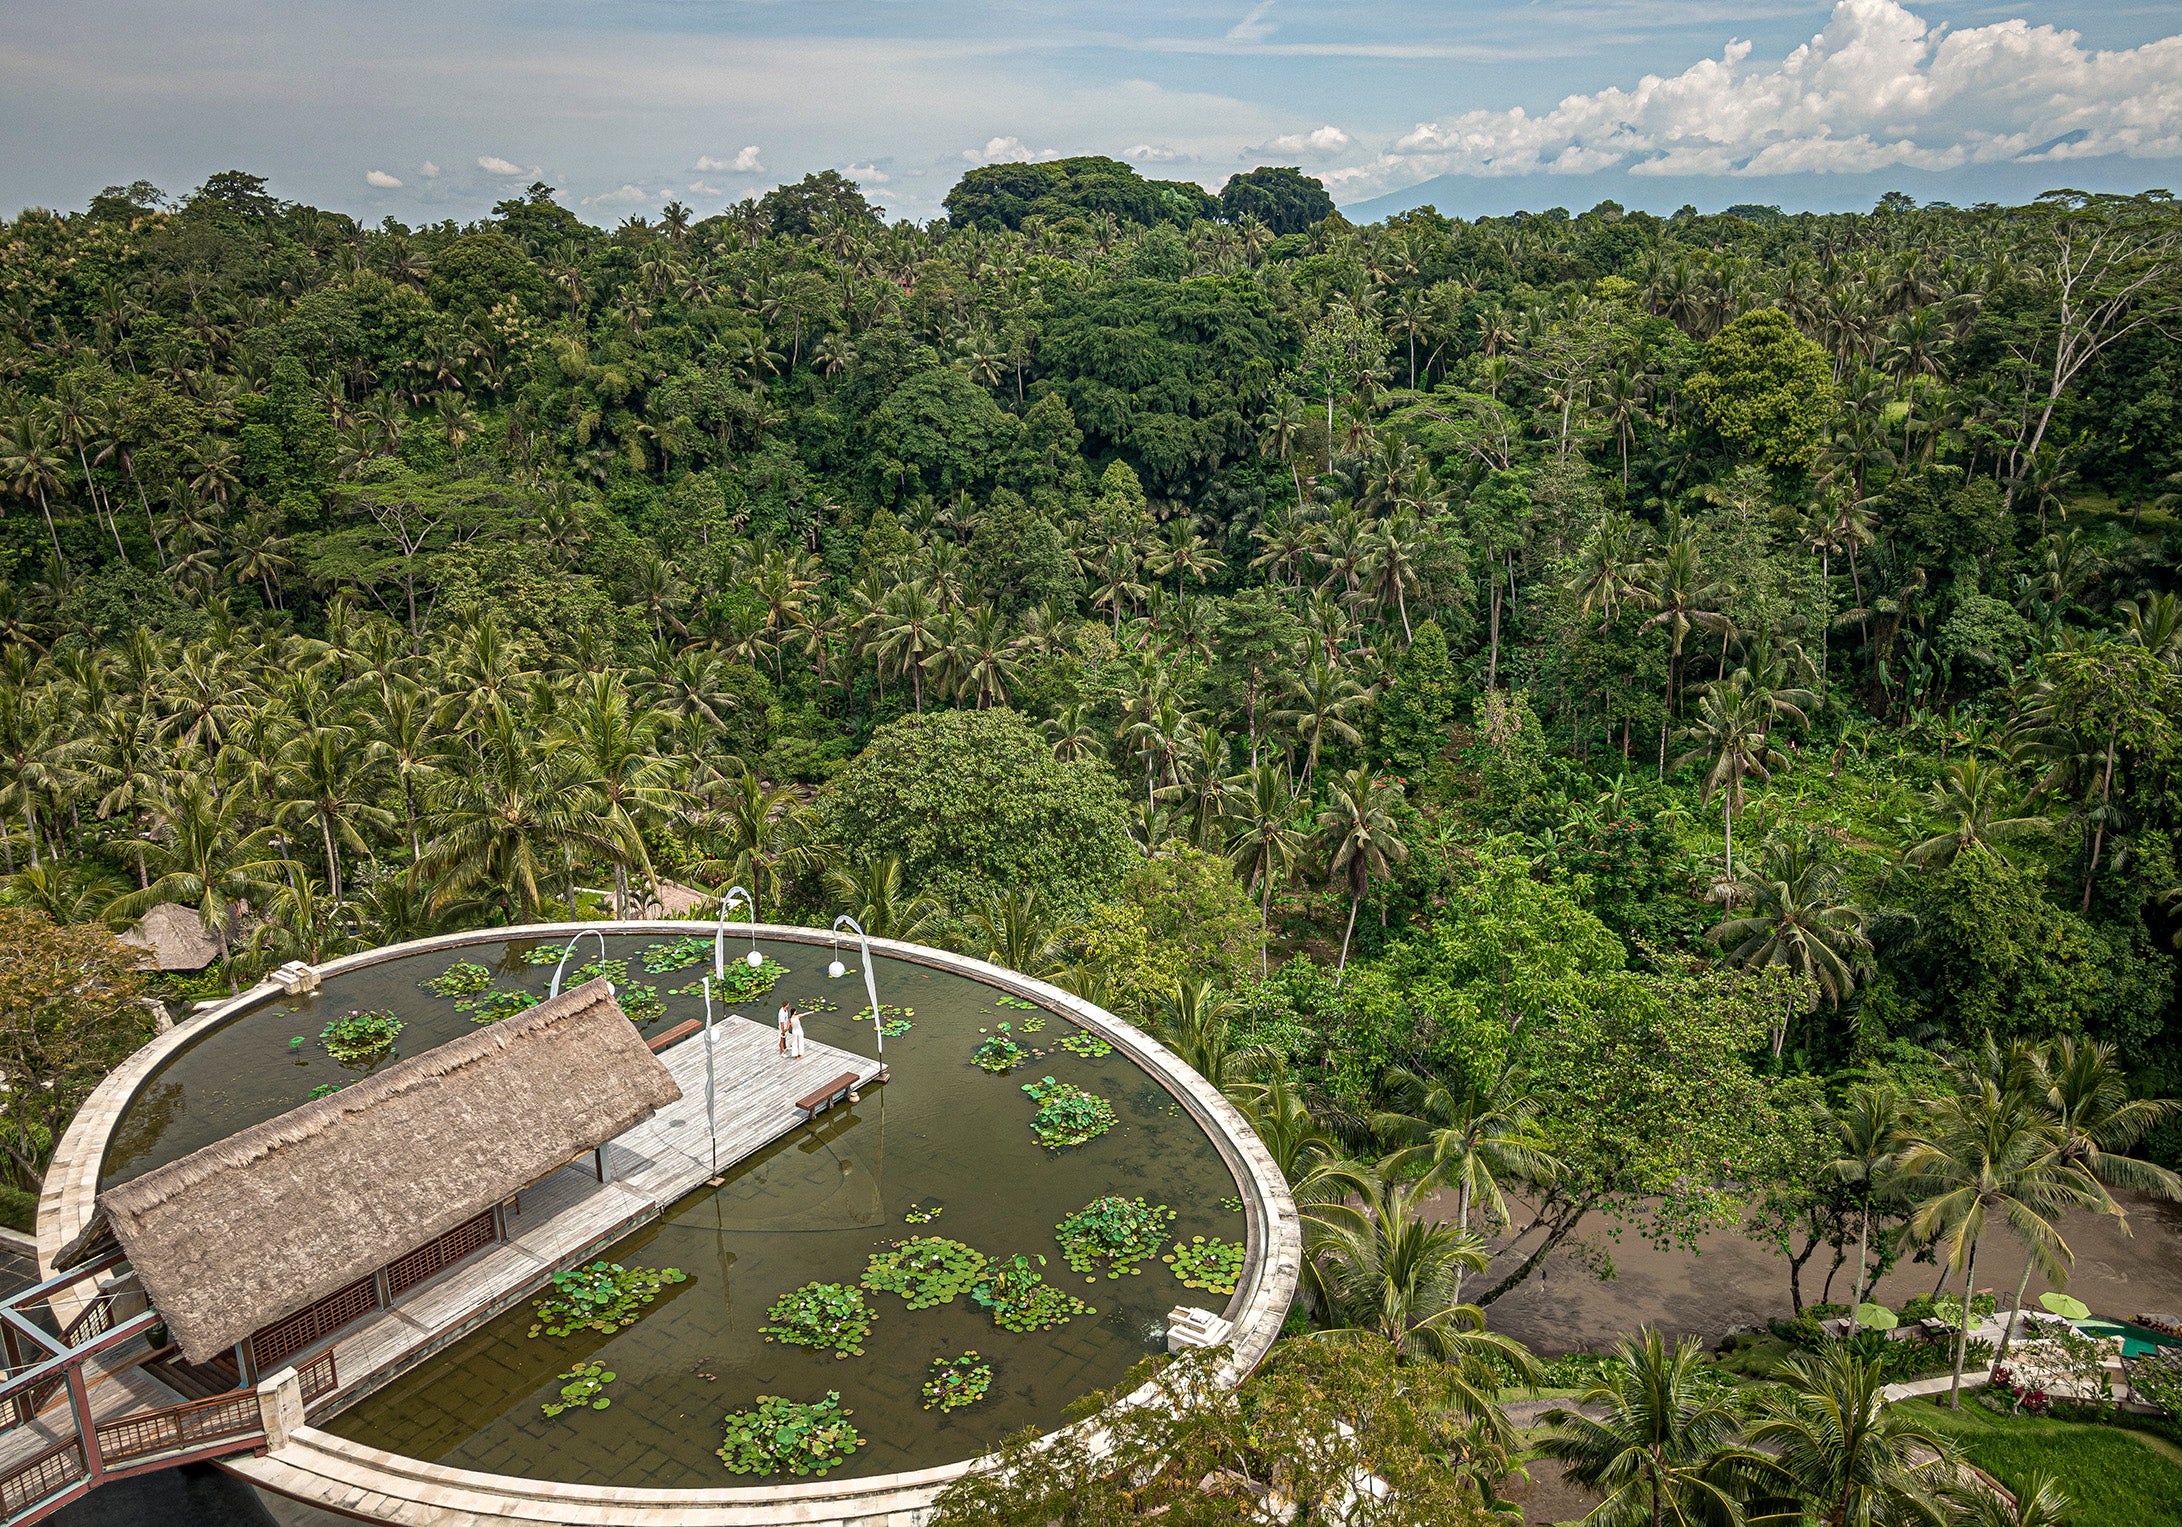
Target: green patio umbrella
{"x":2065,"y":1307}
{"x":1876,"y":1317}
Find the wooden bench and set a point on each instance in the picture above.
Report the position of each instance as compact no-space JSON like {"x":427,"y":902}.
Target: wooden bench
{"x":827,"y":1096}
{"x":675,"y":1035}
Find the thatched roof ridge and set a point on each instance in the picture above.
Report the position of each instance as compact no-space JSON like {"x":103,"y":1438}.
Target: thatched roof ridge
{"x":176,"y":936}
{"x":254,"y":1227}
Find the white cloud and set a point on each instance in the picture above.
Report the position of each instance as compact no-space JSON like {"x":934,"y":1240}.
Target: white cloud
{"x":1151,"y":153}
{"x":1007,"y":151}
{"x":867,"y":174}
{"x":1318,"y":143}
{"x":428,"y":170}
{"x":1253,"y":27}
{"x":382,"y":180}
{"x":1879,"y":87}
{"x":493,"y":164}
{"x":702,"y":189}
{"x":744,"y":163}
{"x":624,"y":195}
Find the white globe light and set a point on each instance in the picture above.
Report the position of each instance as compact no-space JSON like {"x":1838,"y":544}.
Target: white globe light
{"x":836,"y":970}
{"x":754,"y":959}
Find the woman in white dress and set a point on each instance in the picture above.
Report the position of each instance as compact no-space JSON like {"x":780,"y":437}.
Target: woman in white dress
{"x":795,"y":1034}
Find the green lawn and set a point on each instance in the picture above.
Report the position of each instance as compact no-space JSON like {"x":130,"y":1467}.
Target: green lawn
{"x":2114,"y":1477}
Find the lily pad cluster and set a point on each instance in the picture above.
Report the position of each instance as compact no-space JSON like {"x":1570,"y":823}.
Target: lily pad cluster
{"x":360,"y":1034}
{"x":740,"y":982}
{"x":1007,"y":1000}
{"x":1086,"y":1044}
{"x":1212,"y":1265}
{"x":582,"y":1387}
{"x":830,"y":1316}
{"x":1020,"y":1298}
{"x":658,"y":959}
{"x":999,"y":1053}
{"x":922,"y":1214}
{"x":324,"y":1090}
{"x":1119,"y":1232}
{"x":492,"y":1006}
{"x":460,"y":980}
{"x":956,"y":1382}
{"x":1032,"y":1025}
{"x":893,"y":1021}
{"x":783,"y":1435}
{"x":925,"y":1270}
{"x":1067,"y":1115}
{"x":603,"y":1297}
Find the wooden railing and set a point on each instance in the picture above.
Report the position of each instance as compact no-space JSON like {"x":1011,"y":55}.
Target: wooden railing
{"x":319,"y":1377}
{"x":180,"y":1426}
{"x":51,"y":1471}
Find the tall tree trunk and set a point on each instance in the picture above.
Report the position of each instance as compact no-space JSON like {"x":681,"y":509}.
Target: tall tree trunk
{"x":1341,"y":970}
{"x":1962,"y":1334}
{"x":2098,"y":838}
{"x":1863,"y":1248}
{"x":2015,"y":1311}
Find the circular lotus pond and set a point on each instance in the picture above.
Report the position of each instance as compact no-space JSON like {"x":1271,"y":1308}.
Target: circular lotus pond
{"x":874,"y":1279}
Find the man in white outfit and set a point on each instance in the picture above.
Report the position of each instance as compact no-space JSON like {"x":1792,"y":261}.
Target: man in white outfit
{"x":785,"y":1030}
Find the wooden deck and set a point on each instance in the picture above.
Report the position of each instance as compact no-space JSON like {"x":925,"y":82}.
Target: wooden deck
{"x":571,"y":1215}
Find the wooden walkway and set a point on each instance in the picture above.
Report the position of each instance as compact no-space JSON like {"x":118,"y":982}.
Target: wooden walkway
{"x":566,"y":1219}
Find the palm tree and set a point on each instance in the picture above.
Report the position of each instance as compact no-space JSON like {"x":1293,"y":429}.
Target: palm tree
{"x":1356,"y":833}
{"x":1795,"y":920}
{"x":507,"y":821}
{"x":1678,"y":589}
{"x":1022,"y":930}
{"x":30,"y":465}
{"x":1869,"y":1129}
{"x":2039,"y":1502}
{"x":1264,"y":842}
{"x":1379,"y":1268}
{"x":1072,"y":734}
{"x":1663,"y":1451}
{"x":1309,"y":1158}
{"x":1841,"y":1453}
{"x":763,"y":832}
{"x":1325,"y":697}
{"x":1967,"y":800}
{"x":908,"y":626}
{"x":1732,"y":729}
{"x":203,"y":857}
{"x":65,"y":893}
{"x":872,"y":893}
{"x":323,"y":777}
{"x":610,"y":742}
{"x":1194,"y":1023}
{"x":1610,"y":567}
{"x":1472,"y":1136}
{"x":1984,"y":1154}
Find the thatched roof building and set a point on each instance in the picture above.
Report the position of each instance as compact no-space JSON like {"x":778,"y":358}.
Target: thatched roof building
{"x":257,"y":1226}
{"x":176,"y":936}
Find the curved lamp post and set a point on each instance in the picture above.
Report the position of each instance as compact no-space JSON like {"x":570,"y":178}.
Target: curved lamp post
{"x":736,"y":896}
{"x":571,"y":949}
{"x":835,"y":971}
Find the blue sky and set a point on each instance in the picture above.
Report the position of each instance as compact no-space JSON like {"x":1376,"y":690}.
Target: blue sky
{"x":423,"y":111}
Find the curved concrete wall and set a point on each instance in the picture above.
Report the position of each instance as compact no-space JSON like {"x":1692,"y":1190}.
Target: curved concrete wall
{"x":339,"y":1475}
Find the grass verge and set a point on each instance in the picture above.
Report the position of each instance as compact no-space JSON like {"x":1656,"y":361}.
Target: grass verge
{"x":2114,"y":1478}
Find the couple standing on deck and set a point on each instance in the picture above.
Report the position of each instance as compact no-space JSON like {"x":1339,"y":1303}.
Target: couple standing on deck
{"x":791,"y":1032}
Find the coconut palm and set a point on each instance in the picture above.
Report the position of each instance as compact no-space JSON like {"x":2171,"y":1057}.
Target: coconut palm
{"x":1382,"y":1269}
{"x":1356,"y":834}
{"x":66,"y":893}
{"x":1663,"y":1451}
{"x":2039,"y":1502}
{"x":1308,"y":1156}
{"x":872,"y":893}
{"x":508,"y":822}
{"x":1194,"y":1022}
{"x":1678,"y":589}
{"x":1967,"y":802}
{"x":1795,"y":920}
{"x":1842,"y":1454}
{"x":610,"y":742}
{"x":202,"y":855}
{"x":1264,"y":842}
{"x":1472,"y":1136}
{"x":1323,"y":700}
{"x":1983,"y":1154}
{"x":1869,"y":1130}
{"x":322,"y":778}
{"x":1022,"y":930}
{"x":1732,"y":733}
